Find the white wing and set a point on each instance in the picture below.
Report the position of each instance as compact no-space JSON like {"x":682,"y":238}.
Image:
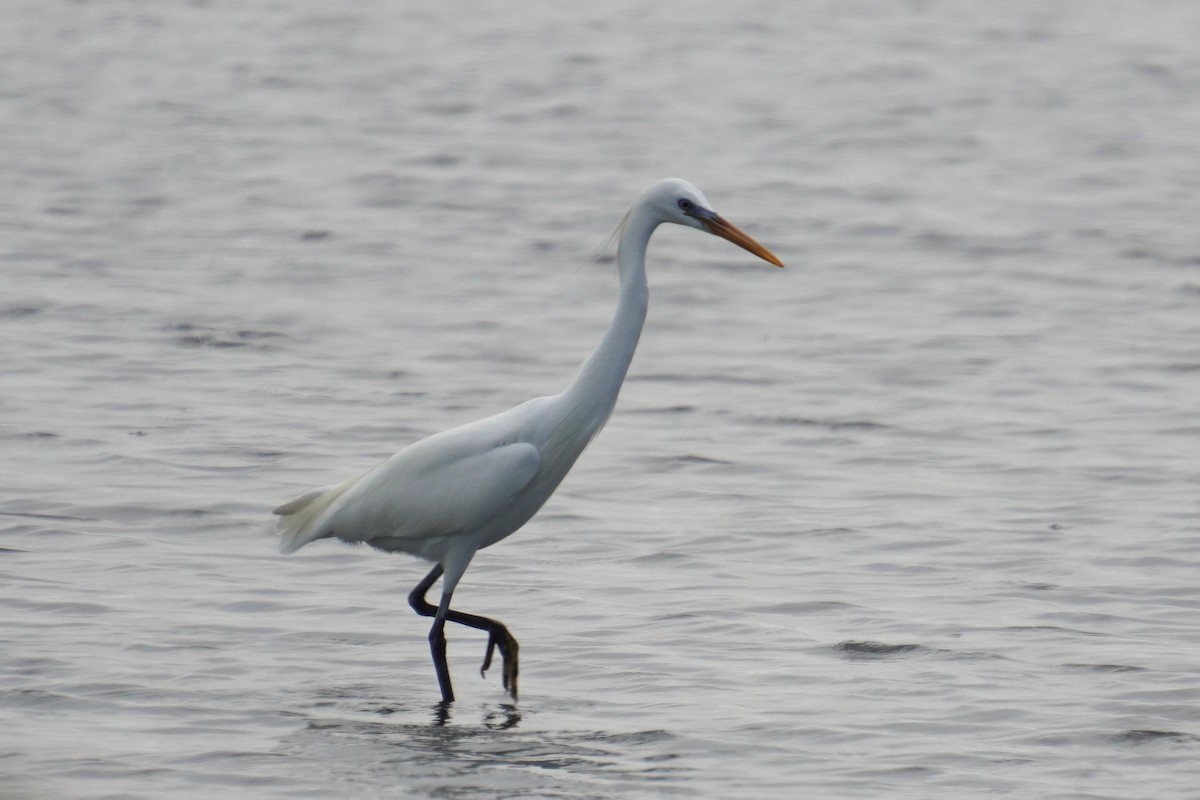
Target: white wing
{"x":451,"y":483}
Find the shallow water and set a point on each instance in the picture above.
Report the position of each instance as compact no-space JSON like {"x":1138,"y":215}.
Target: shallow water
{"x":914,"y":517}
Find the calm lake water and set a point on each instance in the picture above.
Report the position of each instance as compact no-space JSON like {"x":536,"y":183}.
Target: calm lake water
{"x":914,"y":517}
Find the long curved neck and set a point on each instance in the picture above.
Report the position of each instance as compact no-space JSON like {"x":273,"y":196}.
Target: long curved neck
{"x":599,"y":381}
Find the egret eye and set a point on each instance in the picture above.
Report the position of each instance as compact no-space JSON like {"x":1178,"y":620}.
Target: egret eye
{"x":685,"y":205}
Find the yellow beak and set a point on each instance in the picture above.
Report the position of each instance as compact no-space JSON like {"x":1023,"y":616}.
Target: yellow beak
{"x":719,"y":226}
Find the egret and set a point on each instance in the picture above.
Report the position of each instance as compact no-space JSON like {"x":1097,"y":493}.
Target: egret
{"x":447,"y":496}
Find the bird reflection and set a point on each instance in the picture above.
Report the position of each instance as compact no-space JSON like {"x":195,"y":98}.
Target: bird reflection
{"x":503,"y":718}
{"x":470,"y":750}
{"x":506,"y":717}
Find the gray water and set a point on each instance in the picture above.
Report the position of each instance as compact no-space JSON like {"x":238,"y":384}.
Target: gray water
{"x":914,"y":517}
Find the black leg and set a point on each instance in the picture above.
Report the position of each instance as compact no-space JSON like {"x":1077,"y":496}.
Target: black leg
{"x":499,"y":638}
{"x":437,"y":646}
{"x":416,"y":598}
{"x":437,"y":634}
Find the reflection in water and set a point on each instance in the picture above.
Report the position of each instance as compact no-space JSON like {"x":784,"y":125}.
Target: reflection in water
{"x":460,"y":750}
{"x":505,"y":717}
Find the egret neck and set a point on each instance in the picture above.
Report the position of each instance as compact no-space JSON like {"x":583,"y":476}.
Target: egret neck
{"x":594,"y":391}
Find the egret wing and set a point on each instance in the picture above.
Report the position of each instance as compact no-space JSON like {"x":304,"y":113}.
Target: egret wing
{"x":428,"y":493}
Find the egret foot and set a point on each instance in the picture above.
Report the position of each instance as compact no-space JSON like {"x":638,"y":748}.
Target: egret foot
{"x":500,"y":639}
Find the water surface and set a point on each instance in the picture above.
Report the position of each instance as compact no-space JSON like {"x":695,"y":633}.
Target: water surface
{"x":915,"y":517}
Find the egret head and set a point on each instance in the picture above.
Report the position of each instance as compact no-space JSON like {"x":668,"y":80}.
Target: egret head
{"x":678,"y":201}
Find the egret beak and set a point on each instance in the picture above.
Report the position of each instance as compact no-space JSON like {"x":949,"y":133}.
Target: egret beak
{"x":719,"y":226}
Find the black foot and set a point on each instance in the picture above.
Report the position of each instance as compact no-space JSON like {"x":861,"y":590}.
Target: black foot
{"x":500,"y":639}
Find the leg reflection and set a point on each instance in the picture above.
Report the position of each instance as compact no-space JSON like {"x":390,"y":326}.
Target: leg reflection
{"x":507,"y":716}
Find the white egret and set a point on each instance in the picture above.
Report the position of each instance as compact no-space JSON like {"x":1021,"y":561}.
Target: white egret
{"x":445,"y":497}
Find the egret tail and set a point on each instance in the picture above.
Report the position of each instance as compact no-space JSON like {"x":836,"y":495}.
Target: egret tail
{"x":299,"y":519}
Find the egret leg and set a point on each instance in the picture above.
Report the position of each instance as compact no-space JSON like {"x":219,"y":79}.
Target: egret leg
{"x":437,"y":634}
{"x":437,"y":646}
{"x":499,"y":638}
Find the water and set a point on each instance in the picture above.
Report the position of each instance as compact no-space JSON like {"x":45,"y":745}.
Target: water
{"x":915,"y":517}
